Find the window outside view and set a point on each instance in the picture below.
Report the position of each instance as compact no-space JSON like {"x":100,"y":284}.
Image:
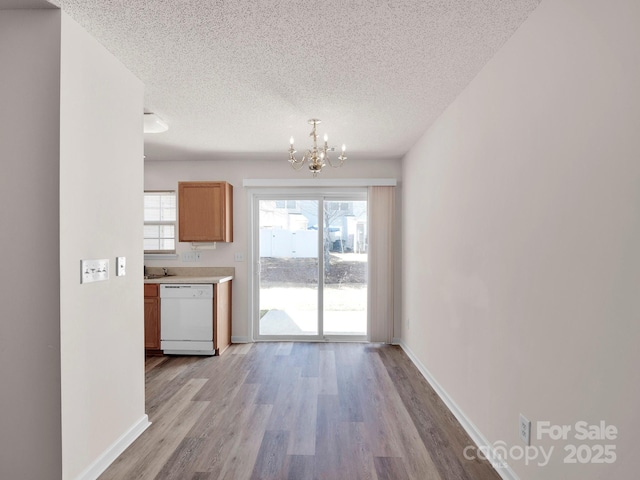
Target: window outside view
{"x":291,"y":274}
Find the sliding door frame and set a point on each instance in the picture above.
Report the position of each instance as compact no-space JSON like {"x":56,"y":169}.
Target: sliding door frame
{"x":321,"y":195}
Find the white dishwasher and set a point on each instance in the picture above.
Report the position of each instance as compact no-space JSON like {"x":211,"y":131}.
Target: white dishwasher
{"x":186,"y":319}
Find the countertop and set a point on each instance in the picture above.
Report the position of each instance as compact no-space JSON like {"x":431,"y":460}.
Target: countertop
{"x":189,"y":279}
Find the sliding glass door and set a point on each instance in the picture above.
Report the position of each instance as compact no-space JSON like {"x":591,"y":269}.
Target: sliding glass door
{"x":288,"y":261}
{"x":310,"y":266}
{"x":345,"y":267}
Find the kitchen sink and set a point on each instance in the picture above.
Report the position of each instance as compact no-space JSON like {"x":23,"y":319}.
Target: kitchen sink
{"x":152,"y":276}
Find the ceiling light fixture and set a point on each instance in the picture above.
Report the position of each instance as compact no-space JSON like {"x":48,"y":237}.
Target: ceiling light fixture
{"x":154,"y":124}
{"x":315,"y":156}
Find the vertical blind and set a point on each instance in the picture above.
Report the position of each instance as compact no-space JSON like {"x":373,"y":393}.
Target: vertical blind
{"x":382,"y":230}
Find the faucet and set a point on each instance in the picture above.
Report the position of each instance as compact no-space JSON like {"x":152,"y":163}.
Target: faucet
{"x":165,"y":271}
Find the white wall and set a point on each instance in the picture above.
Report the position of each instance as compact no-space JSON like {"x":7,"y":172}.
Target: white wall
{"x":29,"y":271}
{"x":101,"y":183}
{"x":166,"y":175}
{"x":522,"y":233}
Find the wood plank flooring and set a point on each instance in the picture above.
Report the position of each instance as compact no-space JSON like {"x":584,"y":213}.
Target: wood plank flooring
{"x":296,"y":411}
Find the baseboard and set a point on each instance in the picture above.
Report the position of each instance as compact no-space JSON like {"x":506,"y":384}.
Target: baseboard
{"x":237,"y":339}
{"x":396,"y":341}
{"x":110,"y":454}
{"x":505,"y":471}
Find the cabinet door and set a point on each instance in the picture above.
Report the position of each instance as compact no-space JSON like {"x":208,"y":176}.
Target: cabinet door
{"x":205,"y":212}
{"x":151,"y":324}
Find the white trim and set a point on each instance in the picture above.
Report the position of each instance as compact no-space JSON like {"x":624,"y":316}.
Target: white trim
{"x":94,"y":470}
{"x":398,"y":341}
{"x":320,"y":182}
{"x":505,"y":472}
{"x":252,"y":267}
{"x":345,"y":338}
{"x":240,"y":339}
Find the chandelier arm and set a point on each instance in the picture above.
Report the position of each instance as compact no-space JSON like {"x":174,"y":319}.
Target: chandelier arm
{"x":296,"y":166}
{"x":294,"y":161}
{"x":342,"y":158}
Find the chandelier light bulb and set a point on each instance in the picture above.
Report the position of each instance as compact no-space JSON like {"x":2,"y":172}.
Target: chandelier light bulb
{"x":326,"y":138}
{"x":344,"y":147}
{"x":291,"y":140}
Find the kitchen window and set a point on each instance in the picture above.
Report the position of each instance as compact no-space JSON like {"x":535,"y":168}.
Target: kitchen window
{"x":160,"y":222}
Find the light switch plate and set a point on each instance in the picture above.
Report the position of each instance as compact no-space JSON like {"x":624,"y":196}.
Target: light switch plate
{"x":121,"y":263}
{"x":94,"y":270}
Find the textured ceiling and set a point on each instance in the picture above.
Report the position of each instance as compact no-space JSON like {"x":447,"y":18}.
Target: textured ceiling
{"x":238,"y":77}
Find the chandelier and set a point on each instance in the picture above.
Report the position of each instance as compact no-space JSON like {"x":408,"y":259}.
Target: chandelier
{"x":315,"y":156}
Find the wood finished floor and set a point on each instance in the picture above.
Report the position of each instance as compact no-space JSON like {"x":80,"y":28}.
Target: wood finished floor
{"x":296,"y":411}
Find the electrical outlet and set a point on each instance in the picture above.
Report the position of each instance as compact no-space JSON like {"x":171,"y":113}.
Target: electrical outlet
{"x":192,"y":256}
{"x":239,"y":257}
{"x":525,"y":430}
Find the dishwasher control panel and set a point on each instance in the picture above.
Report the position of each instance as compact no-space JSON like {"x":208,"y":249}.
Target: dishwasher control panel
{"x":186,"y":291}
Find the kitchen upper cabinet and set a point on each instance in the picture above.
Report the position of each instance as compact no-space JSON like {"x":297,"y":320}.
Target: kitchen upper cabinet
{"x":151,"y":318}
{"x":205,"y":212}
